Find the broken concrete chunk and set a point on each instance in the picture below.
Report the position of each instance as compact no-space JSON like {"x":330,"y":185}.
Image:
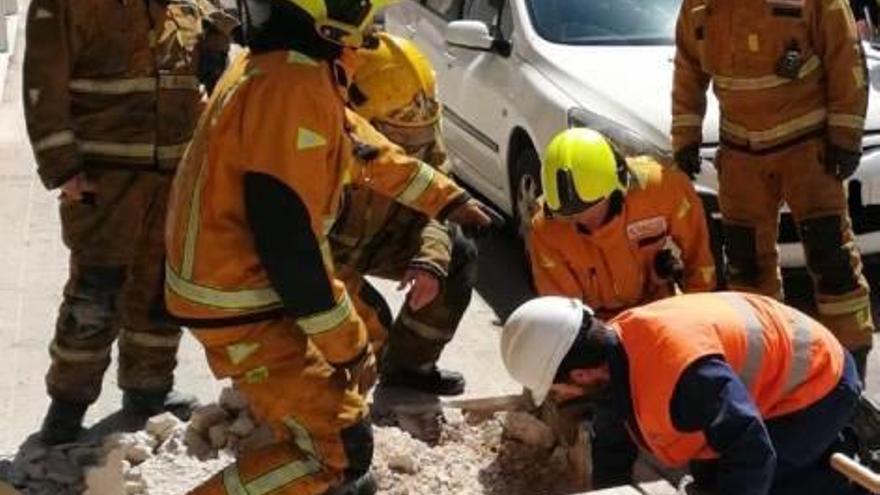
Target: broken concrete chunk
{"x":138,"y":453}
{"x":108,"y":477}
{"x":233,"y":400}
{"x":162,"y":426}
{"x":204,"y":417}
{"x":196,"y":445}
{"x":529,"y":430}
{"x":218,"y":434}
{"x":403,"y":463}
{"x":135,"y":488}
{"x":242,"y":426}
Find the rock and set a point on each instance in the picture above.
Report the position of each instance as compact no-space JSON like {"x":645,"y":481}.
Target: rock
{"x":233,"y":400}
{"x":454,"y":417}
{"x":62,"y":470}
{"x":107,"y":478}
{"x":529,"y":430}
{"x":196,"y":445}
{"x":204,"y":417}
{"x":218,"y":434}
{"x":36,"y":470}
{"x":138,"y":453}
{"x":171,"y":446}
{"x":403,"y":463}
{"x":135,"y":487}
{"x":242,"y":426}
{"x":84,"y":456}
{"x":133,"y":474}
{"x":162,"y":426}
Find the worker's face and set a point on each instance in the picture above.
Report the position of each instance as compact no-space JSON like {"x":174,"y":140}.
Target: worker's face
{"x":592,"y":217}
{"x":585,"y":382}
{"x":415,"y":140}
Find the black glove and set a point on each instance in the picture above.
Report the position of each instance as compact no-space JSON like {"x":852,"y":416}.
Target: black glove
{"x":688,"y":160}
{"x":841,"y":162}
{"x":668,"y":266}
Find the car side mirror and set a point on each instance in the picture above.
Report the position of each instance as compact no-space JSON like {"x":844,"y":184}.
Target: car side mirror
{"x":475,"y":35}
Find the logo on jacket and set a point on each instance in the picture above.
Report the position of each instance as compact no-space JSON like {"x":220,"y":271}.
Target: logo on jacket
{"x":644,"y":229}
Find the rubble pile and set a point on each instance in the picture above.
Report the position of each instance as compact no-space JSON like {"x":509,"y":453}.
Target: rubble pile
{"x":506,"y":454}
{"x":500,"y":454}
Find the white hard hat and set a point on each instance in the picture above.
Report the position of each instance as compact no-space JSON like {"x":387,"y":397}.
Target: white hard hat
{"x":536,"y":338}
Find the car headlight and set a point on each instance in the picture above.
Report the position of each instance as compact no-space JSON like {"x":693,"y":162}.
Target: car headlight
{"x":629,"y":142}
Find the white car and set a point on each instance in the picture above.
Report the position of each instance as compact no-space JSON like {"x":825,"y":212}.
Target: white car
{"x":513,"y":73}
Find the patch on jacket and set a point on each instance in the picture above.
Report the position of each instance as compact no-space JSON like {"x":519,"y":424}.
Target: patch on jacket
{"x":647,"y":228}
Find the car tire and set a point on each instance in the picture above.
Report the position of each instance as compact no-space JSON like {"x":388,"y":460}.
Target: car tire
{"x":525,"y":186}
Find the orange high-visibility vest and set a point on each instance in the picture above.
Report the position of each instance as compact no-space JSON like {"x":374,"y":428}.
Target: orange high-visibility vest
{"x":786,"y":360}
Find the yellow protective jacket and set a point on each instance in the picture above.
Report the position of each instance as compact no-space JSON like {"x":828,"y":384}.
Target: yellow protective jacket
{"x":113,"y":82}
{"x":739,"y":45}
{"x":259,"y":190}
{"x":611,"y":269}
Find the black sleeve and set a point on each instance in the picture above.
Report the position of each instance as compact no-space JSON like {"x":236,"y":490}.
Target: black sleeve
{"x":711,"y":398}
{"x":287,"y":246}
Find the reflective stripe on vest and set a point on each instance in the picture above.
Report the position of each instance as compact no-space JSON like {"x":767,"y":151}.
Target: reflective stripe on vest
{"x":134,"y":85}
{"x":801,"y":339}
{"x":418,"y":184}
{"x":795,"y":126}
{"x":754,"y":337}
{"x":766,"y":82}
{"x":55,"y":140}
{"x":245,"y":299}
{"x":328,"y":320}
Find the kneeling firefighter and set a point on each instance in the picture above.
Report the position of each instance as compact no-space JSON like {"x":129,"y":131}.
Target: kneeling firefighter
{"x":394,"y":87}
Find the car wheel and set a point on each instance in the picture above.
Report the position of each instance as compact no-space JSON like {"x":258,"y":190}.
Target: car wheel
{"x":526,"y":187}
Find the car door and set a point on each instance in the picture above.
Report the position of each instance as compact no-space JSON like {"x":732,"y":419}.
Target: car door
{"x":477,"y":98}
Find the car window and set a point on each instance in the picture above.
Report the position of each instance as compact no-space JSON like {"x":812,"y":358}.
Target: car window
{"x":448,"y":9}
{"x":605,"y":22}
{"x":482,"y":10}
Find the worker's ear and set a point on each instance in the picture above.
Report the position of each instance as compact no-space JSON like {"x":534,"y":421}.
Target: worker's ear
{"x":589,"y":376}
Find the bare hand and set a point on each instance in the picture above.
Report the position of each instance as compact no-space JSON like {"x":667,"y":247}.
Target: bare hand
{"x":424,"y":288}
{"x":78,"y":188}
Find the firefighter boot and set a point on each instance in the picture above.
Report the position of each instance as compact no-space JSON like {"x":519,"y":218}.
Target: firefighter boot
{"x":63,"y":422}
{"x":148,"y":403}
{"x":435,"y":381}
{"x":365,"y":485}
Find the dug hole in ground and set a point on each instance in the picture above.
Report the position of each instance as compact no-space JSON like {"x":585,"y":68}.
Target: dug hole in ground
{"x":499,"y":453}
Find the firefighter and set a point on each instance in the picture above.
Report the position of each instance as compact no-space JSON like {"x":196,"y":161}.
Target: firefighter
{"x":111,"y":100}
{"x":791,"y":80}
{"x":753,"y":394}
{"x":616,"y":232}
{"x":394,"y":88}
{"x":250,"y":269}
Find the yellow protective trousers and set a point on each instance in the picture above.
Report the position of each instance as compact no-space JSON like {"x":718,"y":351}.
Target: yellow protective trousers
{"x":753,"y":188}
{"x":317,"y":412}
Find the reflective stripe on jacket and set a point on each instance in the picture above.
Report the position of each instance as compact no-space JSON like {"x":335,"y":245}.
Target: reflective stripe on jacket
{"x":278,"y":114}
{"x":786,"y":360}
{"x":111,"y":82}
{"x":740,"y":47}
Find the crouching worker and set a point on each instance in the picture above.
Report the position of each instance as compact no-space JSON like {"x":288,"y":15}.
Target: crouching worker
{"x":394,"y":88}
{"x":753,"y":394}
{"x":614,"y":231}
